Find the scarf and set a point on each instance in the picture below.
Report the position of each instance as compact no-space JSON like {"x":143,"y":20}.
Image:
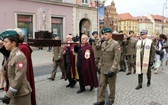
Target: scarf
{"x":145,"y":56}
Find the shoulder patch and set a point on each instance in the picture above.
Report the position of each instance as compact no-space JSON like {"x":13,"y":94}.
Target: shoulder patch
{"x":20,"y":65}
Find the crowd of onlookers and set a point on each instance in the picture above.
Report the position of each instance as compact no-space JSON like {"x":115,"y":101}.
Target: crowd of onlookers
{"x":160,"y":43}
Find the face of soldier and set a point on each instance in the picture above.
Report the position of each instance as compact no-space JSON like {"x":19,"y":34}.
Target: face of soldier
{"x":144,"y":36}
{"x":95,"y":36}
{"x":8,"y":44}
{"x":107,"y":36}
{"x":131,"y":34}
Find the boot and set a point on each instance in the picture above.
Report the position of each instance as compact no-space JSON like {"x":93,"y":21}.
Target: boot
{"x":148,"y":83}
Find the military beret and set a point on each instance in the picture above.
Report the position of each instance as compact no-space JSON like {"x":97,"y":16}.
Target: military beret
{"x":7,"y":34}
{"x":106,"y":30}
{"x":54,"y":35}
{"x":19,"y":31}
{"x":121,"y":31}
{"x":131,"y":31}
{"x":143,"y":32}
{"x":94,"y":32}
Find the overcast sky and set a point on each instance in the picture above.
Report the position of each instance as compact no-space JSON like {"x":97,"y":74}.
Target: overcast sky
{"x":140,"y":7}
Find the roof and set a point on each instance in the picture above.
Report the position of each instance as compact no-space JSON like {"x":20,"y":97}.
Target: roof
{"x":157,"y":17}
{"x":143,"y":19}
{"x":126,"y":16}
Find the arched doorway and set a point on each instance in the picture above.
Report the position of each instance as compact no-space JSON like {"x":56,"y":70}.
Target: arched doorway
{"x":84,"y":26}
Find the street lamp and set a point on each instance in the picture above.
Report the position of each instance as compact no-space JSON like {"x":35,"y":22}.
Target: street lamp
{"x":165,"y":4}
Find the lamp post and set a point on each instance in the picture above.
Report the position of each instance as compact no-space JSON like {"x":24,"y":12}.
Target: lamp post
{"x":97,"y":5}
{"x":165,"y":4}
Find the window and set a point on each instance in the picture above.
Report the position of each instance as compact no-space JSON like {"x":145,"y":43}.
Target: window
{"x":84,"y":1}
{"x":25,"y":22}
{"x":57,"y":25}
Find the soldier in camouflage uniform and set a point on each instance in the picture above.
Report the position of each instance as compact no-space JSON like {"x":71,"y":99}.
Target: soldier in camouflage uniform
{"x":97,"y":49}
{"x":123,"y":55}
{"x":122,"y":63}
{"x":130,"y":51}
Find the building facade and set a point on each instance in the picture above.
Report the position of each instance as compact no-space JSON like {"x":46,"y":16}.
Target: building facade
{"x":145,"y":24}
{"x":127,"y":22}
{"x":159,"y":22}
{"x":84,"y":18}
{"x":111,"y":17}
{"x":56,"y":16}
{"x":33,"y":16}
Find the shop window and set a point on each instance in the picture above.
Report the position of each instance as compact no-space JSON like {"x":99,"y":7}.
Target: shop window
{"x":84,"y":1}
{"x":57,"y":26}
{"x":25,"y":22}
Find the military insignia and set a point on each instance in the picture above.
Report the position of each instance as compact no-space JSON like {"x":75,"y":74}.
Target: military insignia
{"x":145,"y":64}
{"x":119,"y":48}
{"x":138,"y":64}
{"x":87,"y":54}
{"x":20,"y":65}
{"x":18,"y":53}
{"x":147,"y":47}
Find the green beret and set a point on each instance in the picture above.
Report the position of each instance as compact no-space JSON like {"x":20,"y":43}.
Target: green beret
{"x":131,"y":31}
{"x":94,"y":32}
{"x":121,"y":31}
{"x":106,"y":30}
{"x":7,"y":34}
{"x":54,"y":35}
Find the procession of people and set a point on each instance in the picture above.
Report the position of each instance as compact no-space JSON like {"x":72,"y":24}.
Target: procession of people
{"x":82,"y":61}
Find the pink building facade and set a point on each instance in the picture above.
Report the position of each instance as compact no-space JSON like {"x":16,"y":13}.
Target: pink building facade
{"x":33,"y":16}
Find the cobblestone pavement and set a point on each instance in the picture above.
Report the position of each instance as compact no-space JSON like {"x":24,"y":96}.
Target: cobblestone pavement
{"x":55,"y":93}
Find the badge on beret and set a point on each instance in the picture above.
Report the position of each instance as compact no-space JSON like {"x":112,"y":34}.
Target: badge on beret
{"x":87,"y":54}
{"x":20,"y":65}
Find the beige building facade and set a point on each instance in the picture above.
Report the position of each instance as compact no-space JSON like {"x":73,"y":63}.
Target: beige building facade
{"x":159,"y":21}
{"x":145,"y":24}
{"x":127,"y":22}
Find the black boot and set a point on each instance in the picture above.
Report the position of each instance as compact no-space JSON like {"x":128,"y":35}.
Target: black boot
{"x":80,"y":90}
{"x":134,"y":71}
{"x":128,"y":73}
{"x":121,"y":70}
{"x":148,"y":83}
{"x":91,"y":88}
{"x":99,"y":103}
{"x":138,"y":87}
{"x":109,"y":102}
{"x":73,"y":84}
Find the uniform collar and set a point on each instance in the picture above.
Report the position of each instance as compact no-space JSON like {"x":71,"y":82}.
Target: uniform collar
{"x":109,"y":40}
{"x":13,"y":51}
